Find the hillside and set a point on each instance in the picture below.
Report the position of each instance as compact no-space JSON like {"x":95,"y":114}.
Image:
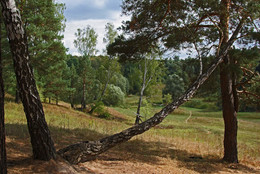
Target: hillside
{"x":179,"y":145}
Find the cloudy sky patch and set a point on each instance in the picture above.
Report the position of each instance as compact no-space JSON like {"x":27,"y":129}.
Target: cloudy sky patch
{"x":96,"y":13}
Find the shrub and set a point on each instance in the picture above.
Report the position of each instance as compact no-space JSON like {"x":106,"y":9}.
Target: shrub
{"x":199,"y":104}
{"x":100,"y":110}
{"x":113,"y":96}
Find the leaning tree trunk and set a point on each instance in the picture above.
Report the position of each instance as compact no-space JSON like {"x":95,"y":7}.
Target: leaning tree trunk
{"x":42,"y":144}
{"x":227,"y":93}
{"x":3,"y":167}
{"x":88,"y":150}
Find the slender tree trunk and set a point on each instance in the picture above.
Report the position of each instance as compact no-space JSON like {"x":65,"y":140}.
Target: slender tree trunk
{"x":17,"y":95}
{"x":144,"y":85}
{"x":3,"y":167}
{"x":71,"y":101}
{"x":42,"y":144}
{"x":57,"y":100}
{"x":105,"y":87}
{"x":88,"y":150}
{"x":140,"y":101}
{"x":227,"y":93}
{"x":83,"y":103}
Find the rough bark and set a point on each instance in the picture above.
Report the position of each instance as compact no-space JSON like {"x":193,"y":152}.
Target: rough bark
{"x":42,"y":144}
{"x":3,"y":167}
{"x":227,"y":93}
{"x":88,"y":150}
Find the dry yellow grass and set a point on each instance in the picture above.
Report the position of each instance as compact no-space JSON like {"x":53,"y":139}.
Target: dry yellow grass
{"x":150,"y":152}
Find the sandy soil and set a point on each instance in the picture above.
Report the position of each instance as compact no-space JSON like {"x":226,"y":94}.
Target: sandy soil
{"x":116,"y":161}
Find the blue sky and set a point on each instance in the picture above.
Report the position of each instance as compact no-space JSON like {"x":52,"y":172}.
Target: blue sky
{"x":96,"y":13}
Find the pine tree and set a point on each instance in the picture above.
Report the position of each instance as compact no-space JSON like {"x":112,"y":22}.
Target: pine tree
{"x":42,"y":144}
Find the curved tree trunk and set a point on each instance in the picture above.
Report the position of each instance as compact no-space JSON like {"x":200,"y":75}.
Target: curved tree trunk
{"x":3,"y":167}
{"x":227,"y":93}
{"x":42,"y":144}
{"x":88,"y":150}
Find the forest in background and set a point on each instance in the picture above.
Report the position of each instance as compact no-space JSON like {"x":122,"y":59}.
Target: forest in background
{"x":60,"y":76}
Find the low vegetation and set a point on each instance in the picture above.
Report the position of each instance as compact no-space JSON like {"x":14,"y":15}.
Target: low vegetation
{"x":189,"y":140}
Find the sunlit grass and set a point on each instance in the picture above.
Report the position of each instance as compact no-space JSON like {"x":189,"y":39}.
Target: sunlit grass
{"x":201,"y":133}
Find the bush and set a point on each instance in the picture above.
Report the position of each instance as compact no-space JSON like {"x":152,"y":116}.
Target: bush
{"x":120,"y":81}
{"x":199,"y":104}
{"x":113,"y":96}
{"x":100,"y":110}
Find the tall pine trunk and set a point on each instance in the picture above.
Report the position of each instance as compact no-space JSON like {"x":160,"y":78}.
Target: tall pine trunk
{"x":3,"y":167}
{"x":42,"y":144}
{"x":227,"y":92}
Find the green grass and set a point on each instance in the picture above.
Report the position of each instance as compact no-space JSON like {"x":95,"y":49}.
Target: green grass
{"x":205,"y":127}
{"x":202,"y":133}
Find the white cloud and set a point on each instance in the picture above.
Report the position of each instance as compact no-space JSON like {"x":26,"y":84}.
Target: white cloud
{"x":75,"y":3}
{"x":100,"y":3}
{"x":97,"y":24}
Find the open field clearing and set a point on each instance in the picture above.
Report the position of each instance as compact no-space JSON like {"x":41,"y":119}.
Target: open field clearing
{"x":188,"y":141}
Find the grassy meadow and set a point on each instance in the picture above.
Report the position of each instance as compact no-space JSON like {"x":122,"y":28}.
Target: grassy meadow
{"x":190,"y":139}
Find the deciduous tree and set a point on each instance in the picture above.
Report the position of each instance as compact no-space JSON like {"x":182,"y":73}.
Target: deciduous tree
{"x":85,"y":42}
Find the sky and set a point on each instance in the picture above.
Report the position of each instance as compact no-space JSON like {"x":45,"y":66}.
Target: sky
{"x":96,"y":13}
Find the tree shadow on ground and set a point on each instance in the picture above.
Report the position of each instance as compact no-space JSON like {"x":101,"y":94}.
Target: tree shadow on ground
{"x":136,"y":150}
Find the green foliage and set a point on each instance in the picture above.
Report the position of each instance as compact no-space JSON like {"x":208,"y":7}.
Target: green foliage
{"x":114,"y":96}
{"x":167,"y":99}
{"x":132,"y":72}
{"x":200,"y":104}
{"x":86,"y":41}
{"x":100,"y":110}
{"x":120,"y":81}
{"x":174,"y":85}
{"x":176,"y":80}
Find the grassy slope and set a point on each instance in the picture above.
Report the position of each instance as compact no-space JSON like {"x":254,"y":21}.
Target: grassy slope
{"x":172,"y":144}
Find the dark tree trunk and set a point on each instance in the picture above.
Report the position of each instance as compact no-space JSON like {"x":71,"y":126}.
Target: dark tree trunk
{"x":17,"y":95}
{"x":88,"y":150}
{"x":227,"y":93}
{"x":3,"y":167}
{"x":71,"y":102}
{"x":42,"y":144}
{"x":83,"y":103}
{"x":138,"y":115}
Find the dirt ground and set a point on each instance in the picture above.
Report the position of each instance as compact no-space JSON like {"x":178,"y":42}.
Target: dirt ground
{"x":117,"y":161}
